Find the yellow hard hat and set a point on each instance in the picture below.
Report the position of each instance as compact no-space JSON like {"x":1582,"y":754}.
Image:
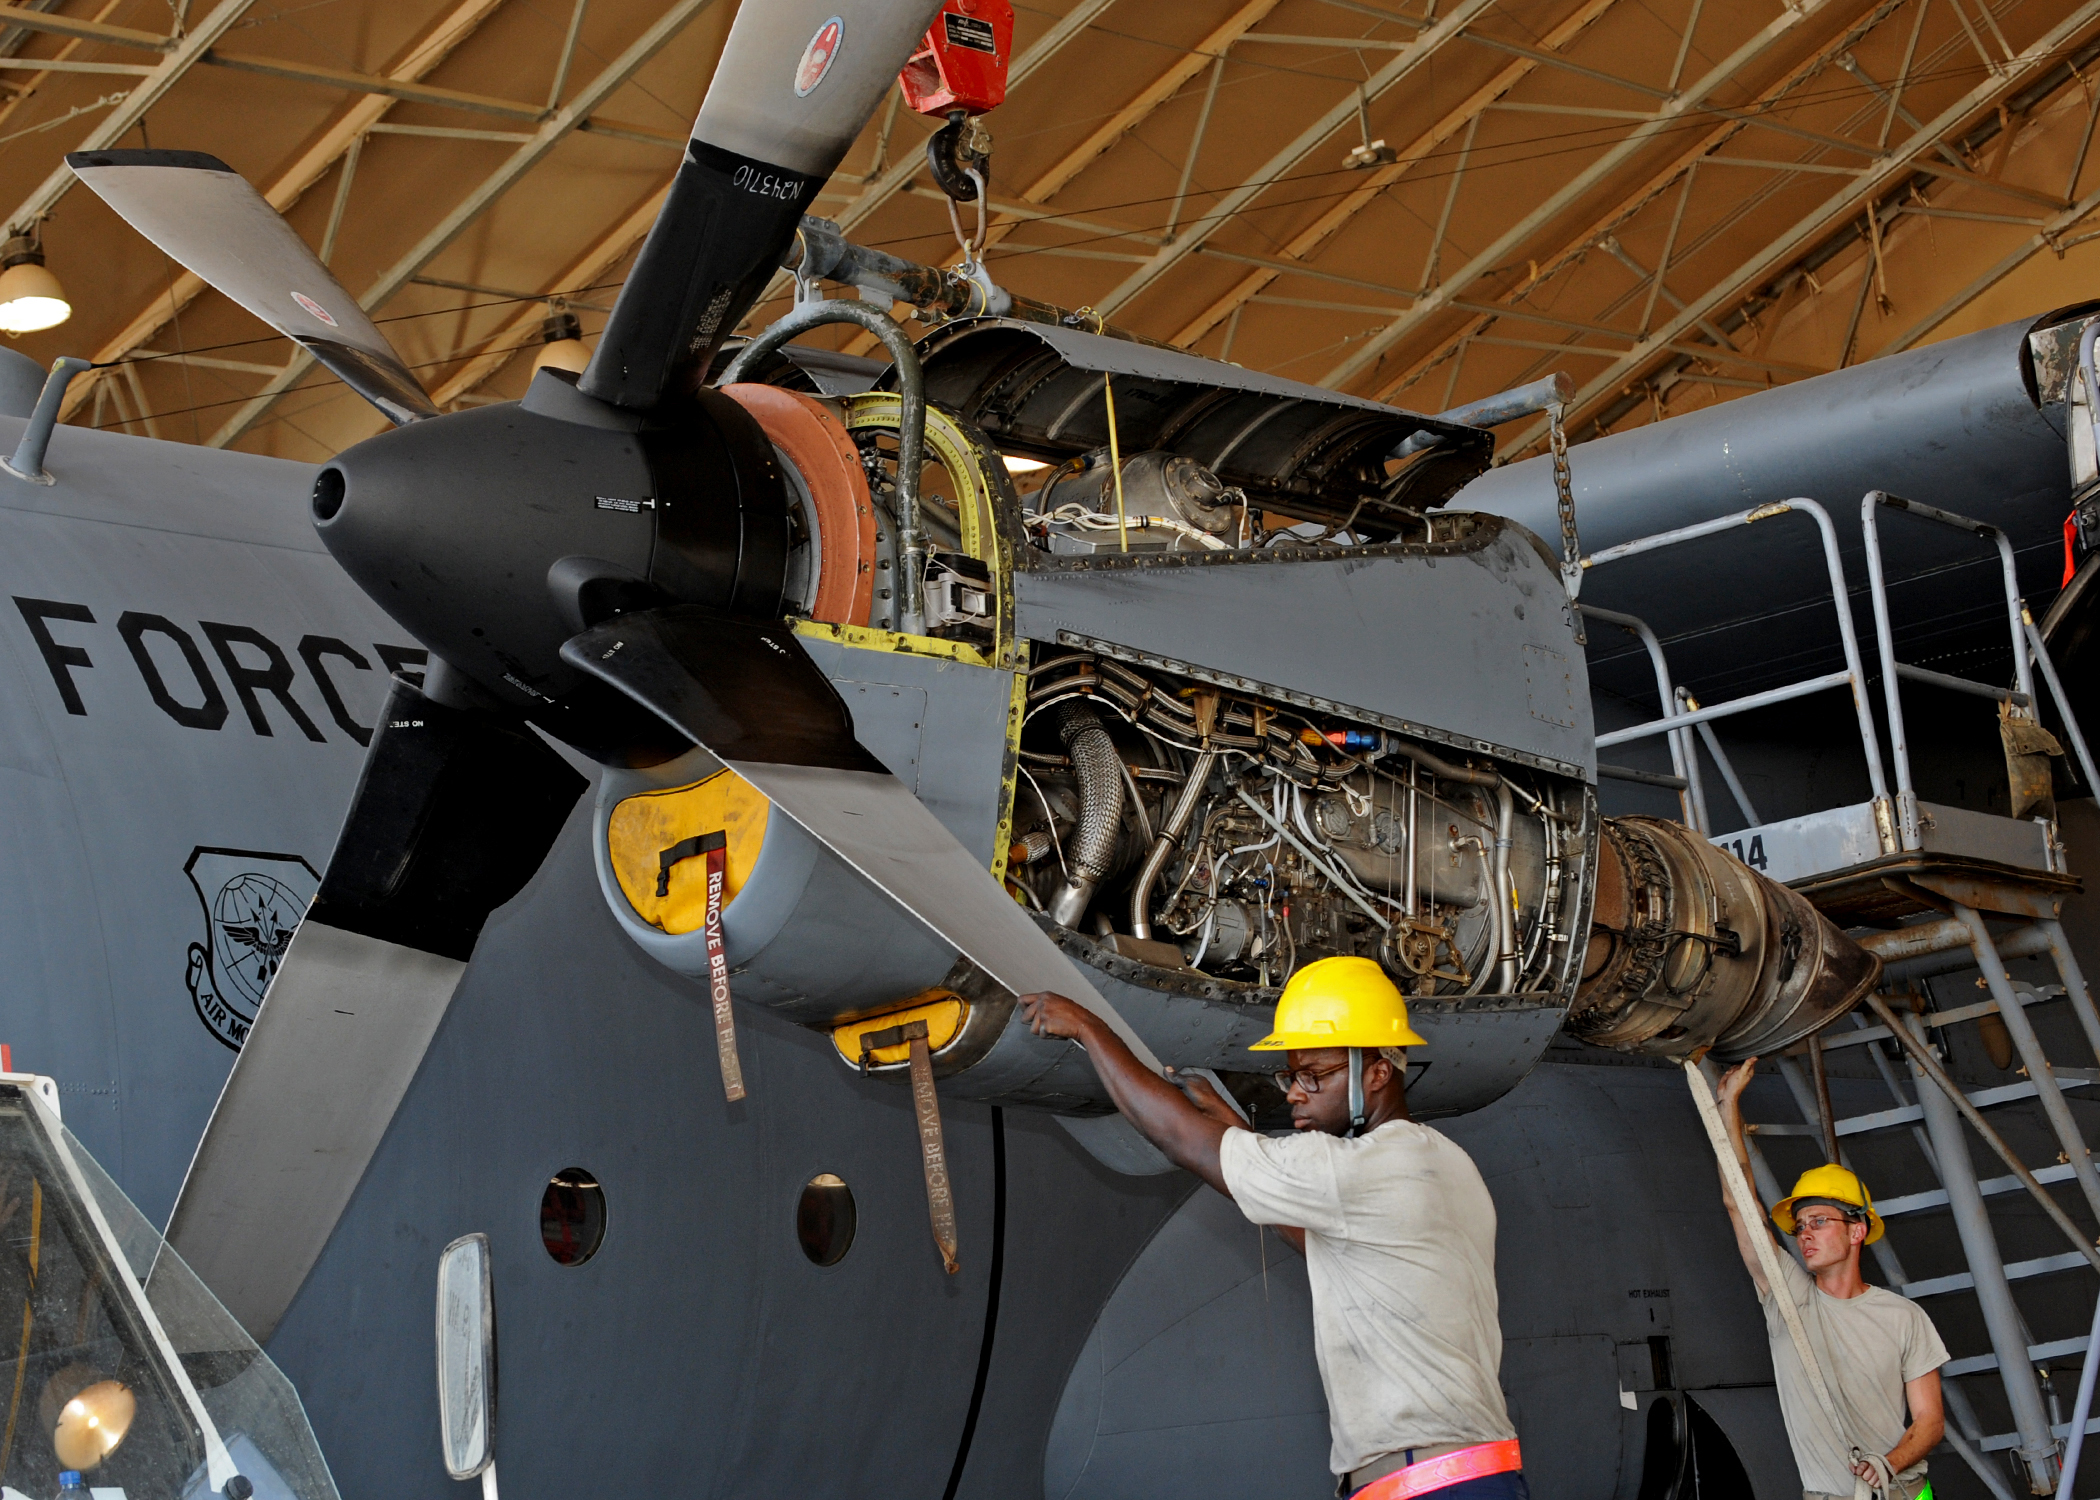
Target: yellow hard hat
{"x":1832,"y":1182}
{"x":1340,"y":1002}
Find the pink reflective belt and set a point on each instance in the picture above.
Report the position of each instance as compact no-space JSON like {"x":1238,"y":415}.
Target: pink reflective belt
{"x":1430,"y":1474}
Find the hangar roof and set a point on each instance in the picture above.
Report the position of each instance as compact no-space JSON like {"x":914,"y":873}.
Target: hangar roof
{"x":1674,"y":201}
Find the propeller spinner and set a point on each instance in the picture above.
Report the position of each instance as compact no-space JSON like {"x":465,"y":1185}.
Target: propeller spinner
{"x":604,"y":561}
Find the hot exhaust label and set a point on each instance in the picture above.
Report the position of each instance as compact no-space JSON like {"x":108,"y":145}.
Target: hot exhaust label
{"x":818,"y":56}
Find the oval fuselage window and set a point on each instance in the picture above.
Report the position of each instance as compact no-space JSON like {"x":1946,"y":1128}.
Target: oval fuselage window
{"x":572,"y":1216}
{"x":824,"y":1219}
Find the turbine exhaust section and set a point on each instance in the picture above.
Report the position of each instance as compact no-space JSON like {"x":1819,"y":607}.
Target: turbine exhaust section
{"x":1690,"y":950}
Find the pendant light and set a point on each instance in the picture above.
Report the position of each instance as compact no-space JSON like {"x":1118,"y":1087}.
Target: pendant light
{"x":561,"y":342}
{"x":31,"y":299}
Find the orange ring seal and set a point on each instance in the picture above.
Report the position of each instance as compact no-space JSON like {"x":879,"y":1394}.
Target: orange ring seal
{"x":823,"y":452}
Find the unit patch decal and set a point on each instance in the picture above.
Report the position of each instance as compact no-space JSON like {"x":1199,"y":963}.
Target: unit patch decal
{"x":253,"y":902}
{"x":315,"y":308}
{"x":818,"y":56}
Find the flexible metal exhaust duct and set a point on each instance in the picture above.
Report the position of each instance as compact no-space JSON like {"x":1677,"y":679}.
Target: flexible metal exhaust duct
{"x":1099,"y":772}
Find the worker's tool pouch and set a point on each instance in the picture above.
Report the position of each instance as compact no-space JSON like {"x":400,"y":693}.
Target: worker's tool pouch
{"x":716,"y":847}
{"x":933,"y":1151}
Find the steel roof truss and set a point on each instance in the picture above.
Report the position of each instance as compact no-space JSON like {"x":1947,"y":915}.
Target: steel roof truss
{"x":527,"y":156}
{"x":1886,"y":175}
{"x":1510,"y":242}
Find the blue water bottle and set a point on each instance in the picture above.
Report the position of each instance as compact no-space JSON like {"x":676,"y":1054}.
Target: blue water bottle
{"x":70,"y":1487}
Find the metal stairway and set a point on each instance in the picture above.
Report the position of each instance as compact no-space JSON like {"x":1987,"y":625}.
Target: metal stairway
{"x":1931,"y":881}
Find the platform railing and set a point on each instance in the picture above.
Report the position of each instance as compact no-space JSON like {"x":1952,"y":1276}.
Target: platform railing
{"x":1684,"y":754}
{"x":1852,"y":676}
{"x":1960,"y":938}
{"x":1894,"y":673}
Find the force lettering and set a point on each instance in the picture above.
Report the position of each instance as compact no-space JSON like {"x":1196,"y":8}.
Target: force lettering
{"x":173,"y":668}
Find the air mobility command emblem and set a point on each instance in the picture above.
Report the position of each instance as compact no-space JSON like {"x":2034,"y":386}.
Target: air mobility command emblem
{"x":252,"y":904}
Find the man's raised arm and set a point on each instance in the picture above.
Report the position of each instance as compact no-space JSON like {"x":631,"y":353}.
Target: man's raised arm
{"x":1730,"y":1095}
{"x":1186,"y":1129}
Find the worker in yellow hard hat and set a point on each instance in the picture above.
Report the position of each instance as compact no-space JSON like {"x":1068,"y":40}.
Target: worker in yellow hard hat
{"x":1396,"y":1226}
{"x":1879,"y":1353}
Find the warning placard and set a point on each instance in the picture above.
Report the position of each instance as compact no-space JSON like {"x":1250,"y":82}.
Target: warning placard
{"x":968,"y":31}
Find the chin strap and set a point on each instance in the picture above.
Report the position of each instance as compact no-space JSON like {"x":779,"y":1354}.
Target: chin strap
{"x":1358,"y":1115}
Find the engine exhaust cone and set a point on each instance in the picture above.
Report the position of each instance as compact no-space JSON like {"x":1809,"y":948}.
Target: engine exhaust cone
{"x":1690,"y":949}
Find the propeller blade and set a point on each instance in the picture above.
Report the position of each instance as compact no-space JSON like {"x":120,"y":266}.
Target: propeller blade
{"x":453,"y":813}
{"x":207,"y":216}
{"x":747,"y":692}
{"x":797,"y":80}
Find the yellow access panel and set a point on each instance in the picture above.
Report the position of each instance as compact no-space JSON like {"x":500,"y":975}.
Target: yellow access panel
{"x":644,"y":834}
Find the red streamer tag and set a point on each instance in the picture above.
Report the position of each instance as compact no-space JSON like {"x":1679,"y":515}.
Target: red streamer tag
{"x":716,"y":847}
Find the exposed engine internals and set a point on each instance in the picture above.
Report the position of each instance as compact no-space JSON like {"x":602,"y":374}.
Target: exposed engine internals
{"x":1186,"y":825}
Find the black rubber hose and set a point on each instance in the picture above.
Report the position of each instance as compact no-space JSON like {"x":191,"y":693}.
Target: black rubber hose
{"x":911,"y":427}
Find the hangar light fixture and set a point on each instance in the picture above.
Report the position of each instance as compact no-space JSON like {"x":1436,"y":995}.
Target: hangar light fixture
{"x":561,"y":343}
{"x":93,"y":1423}
{"x":31,"y":299}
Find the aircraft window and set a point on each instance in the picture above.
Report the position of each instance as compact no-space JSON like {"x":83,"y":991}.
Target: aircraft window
{"x":572,"y":1216}
{"x":824,"y":1219}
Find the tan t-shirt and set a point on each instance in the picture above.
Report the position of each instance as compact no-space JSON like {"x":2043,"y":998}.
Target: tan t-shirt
{"x":1400,"y":1251}
{"x":1868,"y":1346}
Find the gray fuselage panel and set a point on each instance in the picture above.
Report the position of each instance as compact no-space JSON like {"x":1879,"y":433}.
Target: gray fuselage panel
{"x":181,"y":704}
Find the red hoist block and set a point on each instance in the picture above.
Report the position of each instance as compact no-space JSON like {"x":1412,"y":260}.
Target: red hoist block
{"x":961,"y":61}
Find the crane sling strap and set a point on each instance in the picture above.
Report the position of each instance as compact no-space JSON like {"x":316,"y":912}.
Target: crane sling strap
{"x":1753,"y":1216}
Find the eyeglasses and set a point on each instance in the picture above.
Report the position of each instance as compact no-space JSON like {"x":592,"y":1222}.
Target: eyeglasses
{"x":1305,"y":1078}
{"x":1821,"y":1222}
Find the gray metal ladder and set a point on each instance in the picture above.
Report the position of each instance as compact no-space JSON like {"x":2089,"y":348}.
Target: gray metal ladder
{"x":1966,"y":868}
{"x":1935,"y":1124}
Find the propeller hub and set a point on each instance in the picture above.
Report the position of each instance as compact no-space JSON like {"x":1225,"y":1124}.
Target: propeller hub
{"x":496,"y":534}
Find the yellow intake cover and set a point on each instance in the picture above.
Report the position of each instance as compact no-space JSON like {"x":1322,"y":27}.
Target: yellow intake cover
{"x":644,"y":827}
{"x":943,"y":1011}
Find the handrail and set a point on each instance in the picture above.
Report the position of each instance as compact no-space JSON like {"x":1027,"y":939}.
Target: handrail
{"x":1712,"y":711}
{"x":1894,"y":672}
{"x":2063,"y":704}
{"x":1736,"y":789}
{"x":1962,"y":685}
{"x":1684,"y":755}
{"x":1853,"y":676}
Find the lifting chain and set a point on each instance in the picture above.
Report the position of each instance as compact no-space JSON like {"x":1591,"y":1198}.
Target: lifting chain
{"x":1564,"y":496}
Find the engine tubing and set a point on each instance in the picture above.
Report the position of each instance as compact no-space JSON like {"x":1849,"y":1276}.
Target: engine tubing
{"x":1092,"y":855}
